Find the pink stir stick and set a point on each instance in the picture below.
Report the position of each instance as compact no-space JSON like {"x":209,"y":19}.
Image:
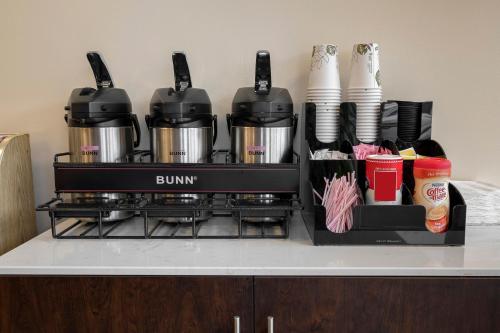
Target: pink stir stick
{"x":363,"y":150}
{"x":340,"y":196}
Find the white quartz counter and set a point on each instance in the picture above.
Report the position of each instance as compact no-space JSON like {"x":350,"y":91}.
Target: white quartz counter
{"x":480,"y":256}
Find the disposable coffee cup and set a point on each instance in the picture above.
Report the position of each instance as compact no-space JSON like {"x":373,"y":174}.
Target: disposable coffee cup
{"x":324,"y":70}
{"x":364,"y":89}
{"x":365,"y":66}
{"x":324,"y":89}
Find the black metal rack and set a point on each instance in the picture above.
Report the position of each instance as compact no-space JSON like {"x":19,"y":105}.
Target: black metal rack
{"x":232,"y":199}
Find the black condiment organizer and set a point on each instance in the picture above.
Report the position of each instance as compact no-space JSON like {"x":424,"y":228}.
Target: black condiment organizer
{"x":373,"y":224}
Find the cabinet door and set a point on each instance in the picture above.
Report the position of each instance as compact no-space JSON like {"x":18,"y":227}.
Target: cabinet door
{"x":378,"y":304}
{"x":125,"y":304}
{"x":423,"y":305}
{"x":299,"y":305}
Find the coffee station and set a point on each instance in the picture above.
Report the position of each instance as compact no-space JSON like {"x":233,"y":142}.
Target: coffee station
{"x":370,"y":188}
{"x":316,"y":215}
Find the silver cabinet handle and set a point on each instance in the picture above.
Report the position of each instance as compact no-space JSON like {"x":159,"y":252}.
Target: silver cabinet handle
{"x":236,"y":324}
{"x":270,"y":324}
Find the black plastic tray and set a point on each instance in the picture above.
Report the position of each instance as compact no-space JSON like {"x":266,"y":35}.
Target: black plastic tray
{"x":373,"y":225}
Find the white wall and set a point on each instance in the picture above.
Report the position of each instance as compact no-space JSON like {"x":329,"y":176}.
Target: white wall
{"x":446,"y":51}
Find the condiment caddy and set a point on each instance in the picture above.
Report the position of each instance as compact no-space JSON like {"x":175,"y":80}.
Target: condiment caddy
{"x":403,"y":224}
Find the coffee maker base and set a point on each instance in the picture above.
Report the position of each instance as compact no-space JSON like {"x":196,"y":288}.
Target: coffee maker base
{"x":266,"y":219}
{"x":104,"y":199}
{"x":179,"y":215}
{"x":200,"y":217}
{"x":114,"y":216}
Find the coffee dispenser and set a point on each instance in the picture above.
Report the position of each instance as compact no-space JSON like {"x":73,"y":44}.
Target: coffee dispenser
{"x":101,"y":129}
{"x":262,"y":124}
{"x":182,"y":129}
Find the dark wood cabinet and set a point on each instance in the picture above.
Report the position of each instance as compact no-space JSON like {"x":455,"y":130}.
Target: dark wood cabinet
{"x":378,"y":304}
{"x":125,"y":304}
{"x":299,"y":304}
{"x":209,"y":304}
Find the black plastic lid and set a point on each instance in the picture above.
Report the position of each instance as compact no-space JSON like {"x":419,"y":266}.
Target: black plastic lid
{"x":183,"y":101}
{"x":167,"y":102}
{"x":278,"y":103}
{"x":105,"y":102}
{"x":262,"y":100}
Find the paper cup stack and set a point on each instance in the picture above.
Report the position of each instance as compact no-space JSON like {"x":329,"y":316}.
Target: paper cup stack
{"x":324,"y":90}
{"x":365,"y":90}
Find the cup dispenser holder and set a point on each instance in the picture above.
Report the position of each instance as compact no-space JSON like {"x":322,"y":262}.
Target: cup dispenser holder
{"x":374,"y":224}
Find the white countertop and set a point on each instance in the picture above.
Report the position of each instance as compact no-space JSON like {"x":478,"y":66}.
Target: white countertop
{"x":480,"y":256}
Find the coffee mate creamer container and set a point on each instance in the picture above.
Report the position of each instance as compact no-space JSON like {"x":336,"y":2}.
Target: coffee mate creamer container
{"x":432,"y":176}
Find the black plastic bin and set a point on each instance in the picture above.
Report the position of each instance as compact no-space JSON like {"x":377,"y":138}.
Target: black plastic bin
{"x":373,"y":225}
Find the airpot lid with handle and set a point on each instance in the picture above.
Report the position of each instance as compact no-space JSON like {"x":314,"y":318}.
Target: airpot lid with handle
{"x":105,"y":102}
{"x":262,"y":100}
{"x":183,"y":101}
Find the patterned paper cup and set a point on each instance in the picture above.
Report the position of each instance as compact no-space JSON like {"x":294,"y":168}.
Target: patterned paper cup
{"x":365,"y":66}
{"x":324,"y":71}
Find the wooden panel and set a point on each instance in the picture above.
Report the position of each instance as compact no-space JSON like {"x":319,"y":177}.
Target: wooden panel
{"x":125,"y":304}
{"x":378,"y":304}
{"x":299,"y":305}
{"x":17,"y":203}
{"x":423,"y":305}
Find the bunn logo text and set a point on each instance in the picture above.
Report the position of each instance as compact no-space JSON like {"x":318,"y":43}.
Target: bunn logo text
{"x":175,"y":180}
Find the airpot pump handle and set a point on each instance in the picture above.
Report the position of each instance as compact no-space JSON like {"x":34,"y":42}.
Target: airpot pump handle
{"x":181,"y":71}
{"x":101,"y":74}
{"x":263,"y":73}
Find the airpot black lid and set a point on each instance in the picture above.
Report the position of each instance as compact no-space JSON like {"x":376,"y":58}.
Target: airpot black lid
{"x":276,"y":103}
{"x":167,"y":102}
{"x":105,"y":102}
{"x":262,"y":100}
{"x":183,"y":101}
